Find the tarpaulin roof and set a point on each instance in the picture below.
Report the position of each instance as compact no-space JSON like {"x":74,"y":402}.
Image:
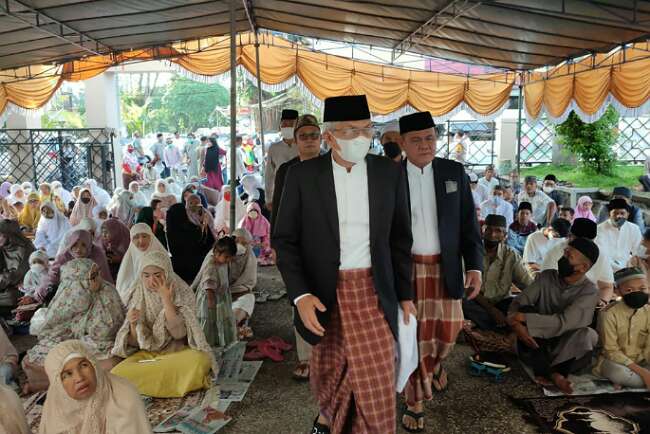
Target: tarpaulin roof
{"x":513,"y":34}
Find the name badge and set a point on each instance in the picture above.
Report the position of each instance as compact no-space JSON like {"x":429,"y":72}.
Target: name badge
{"x":451,"y":186}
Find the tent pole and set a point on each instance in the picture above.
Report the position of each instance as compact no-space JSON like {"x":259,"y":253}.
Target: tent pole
{"x":519,"y":106}
{"x":233,"y":116}
{"x":259,"y":101}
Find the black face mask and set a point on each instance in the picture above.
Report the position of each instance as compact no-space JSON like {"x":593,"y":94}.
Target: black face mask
{"x":490,"y":244}
{"x":564,"y":267}
{"x":636,"y":299}
{"x":85,"y":200}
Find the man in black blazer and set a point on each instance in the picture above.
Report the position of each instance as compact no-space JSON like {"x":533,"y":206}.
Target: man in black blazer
{"x":343,"y":242}
{"x":446,"y":241}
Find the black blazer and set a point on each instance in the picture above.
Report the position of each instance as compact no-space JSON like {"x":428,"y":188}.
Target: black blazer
{"x":278,"y":187}
{"x":306,"y":236}
{"x":460,"y":238}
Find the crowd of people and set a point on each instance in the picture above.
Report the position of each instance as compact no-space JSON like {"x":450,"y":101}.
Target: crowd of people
{"x":126,"y":289}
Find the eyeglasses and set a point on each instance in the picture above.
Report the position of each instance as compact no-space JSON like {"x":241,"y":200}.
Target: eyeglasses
{"x":312,"y":136}
{"x":353,"y":133}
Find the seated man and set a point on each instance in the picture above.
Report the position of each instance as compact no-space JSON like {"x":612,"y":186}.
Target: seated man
{"x":618,"y":236}
{"x":540,"y":242}
{"x":623,"y":328}
{"x":551,"y":317}
{"x":601,"y":273}
{"x":489,"y":180}
{"x":497,"y":205}
{"x":567,"y":213}
{"x":635,"y":214}
{"x":502,"y":268}
{"x":544,"y":208}
{"x":479,"y":192}
{"x":520,"y":229}
{"x":550,"y":182}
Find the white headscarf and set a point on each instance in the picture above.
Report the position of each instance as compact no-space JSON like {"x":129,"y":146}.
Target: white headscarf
{"x":116,"y":195}
{"x":101,"y":196}
{"x":115,"y":405}
{"x":13,"y":198}
{"x":251,"y":185}
{"x":128,"y":273}
{"x":65,"y":195}
{"x":124,"y":210}
{"x":50,"y":232}
{"x":173,"y":187}
{"x":96,"y":211}
{"x":27,"y":187}
{"x":86,"y":224}
{"x":138,"y":196}
{"x":158,"y":195}
{"x":222,"y":210}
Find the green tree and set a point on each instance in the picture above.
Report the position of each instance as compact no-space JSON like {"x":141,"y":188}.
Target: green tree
{"x":190,"y":105}
{"x":593,"y":142}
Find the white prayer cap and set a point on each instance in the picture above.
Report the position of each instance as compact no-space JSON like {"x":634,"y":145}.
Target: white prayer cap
{"x":391,"y":126}
{"x":473,"y":177}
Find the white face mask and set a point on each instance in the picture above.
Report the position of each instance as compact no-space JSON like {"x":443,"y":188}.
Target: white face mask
{"x":287,"y":133}
{"x":548,"y":190}
{"x":354,"y":150}
{"x":37,"y":268}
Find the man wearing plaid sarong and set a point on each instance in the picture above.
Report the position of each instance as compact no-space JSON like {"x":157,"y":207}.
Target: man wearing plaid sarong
{"x":446,"y":239}
{"x":343,"y":242}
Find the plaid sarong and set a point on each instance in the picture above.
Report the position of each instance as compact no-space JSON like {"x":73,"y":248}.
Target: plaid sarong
{"x":352,"y":369}
{"x":440,"y":319}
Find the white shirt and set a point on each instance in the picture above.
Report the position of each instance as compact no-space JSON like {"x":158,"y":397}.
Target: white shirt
{"x":621,"y":244}
{"x":601,"y":271}
{"x":354,"y":215}
{"x":501,"y":208}
{"x":489,"y":185}
{"x":537,"y":245}
{"x":480,"y":195}
{"x":424,"y":211}
{"x":539,"y":203}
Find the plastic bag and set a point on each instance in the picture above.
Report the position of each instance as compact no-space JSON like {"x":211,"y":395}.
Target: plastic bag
{"x":37,"y":321}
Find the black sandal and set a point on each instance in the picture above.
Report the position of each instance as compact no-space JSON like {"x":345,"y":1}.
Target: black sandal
{"x":415,"y":416}
{"x":319,"y":428}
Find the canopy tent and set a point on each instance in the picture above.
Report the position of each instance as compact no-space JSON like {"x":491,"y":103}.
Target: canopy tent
{"x":46,"y":41}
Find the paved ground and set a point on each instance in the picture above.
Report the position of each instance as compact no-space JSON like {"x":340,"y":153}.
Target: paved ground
{"x":277,"y":404}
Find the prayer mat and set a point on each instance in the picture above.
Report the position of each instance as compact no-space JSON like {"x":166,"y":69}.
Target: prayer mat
{"x":603,"y":414}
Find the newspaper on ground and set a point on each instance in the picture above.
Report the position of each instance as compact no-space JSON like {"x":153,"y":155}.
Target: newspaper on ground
{"x":206,"y":419}
{"x":171,"y":423}
{"x":231,"y":361}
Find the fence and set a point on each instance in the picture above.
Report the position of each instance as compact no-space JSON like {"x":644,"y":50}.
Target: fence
{"x":66,"y":155}
{"x":478,"y":150}
{"x":631,"y":146}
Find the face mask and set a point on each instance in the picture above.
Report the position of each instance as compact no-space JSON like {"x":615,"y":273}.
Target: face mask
{"x":240,"y":249}
{"x":490,"y":244}
{"x":619,"y":222}
{"x":636,"y":299}
{"x":252,"y":214}
{"x":37,"y":268}
{"x":354,"y":150}
{"x":548,"y":190}
{"x":85,"y":200}
{"x":287,"y":133}
{"x":564,"y":267}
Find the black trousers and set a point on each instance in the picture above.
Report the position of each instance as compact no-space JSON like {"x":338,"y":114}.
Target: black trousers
{"x":540,"y":359}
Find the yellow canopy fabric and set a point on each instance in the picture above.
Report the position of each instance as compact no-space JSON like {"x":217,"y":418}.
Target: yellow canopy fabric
{"x":387,"y":88}
{"x":621,"y":78}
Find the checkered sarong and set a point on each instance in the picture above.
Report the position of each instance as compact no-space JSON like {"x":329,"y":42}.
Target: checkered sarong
{"x":352,"y":369}
{"x":440,"y":319}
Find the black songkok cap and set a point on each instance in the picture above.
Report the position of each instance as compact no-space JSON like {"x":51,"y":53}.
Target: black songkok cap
{"x":584,"y":228}
{"x":561,"y":226}
{"x":346,"y":108}
{"x":618,"y":204}
{"x":289,"y":115}
{"x":416,"y":122}
{"x":622,"y":191}
{"x":587,"y":248}
{"x":495,"y":220}
{"x":550,"y":177}
{"x":392,"y":149}
{"x":525,"y":205}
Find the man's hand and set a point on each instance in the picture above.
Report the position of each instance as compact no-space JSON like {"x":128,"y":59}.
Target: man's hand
{"x":524,"y":336}
{"x":472,"y":284}
{"x":408,"y":307}
{"x":307,"y":306}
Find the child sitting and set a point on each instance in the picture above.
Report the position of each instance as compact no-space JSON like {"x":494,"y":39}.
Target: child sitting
{"x":624,"y":328}
{"x":260,"y":229}
{"x":38,"y":269}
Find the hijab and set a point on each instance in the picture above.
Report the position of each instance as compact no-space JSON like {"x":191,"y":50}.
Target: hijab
{"x":151,"y":332}
{"x":200,"y":217}
{"x":16,"y":194}
{"x":259,"y":227}
{"x":102,"y":197}
{"x":58,"y":190}
{"x":115,"y":406}
{"x":96,"y":212}
{"x":14,"y":255}
{"x":222,"y":210}
{"x":251,"y":186}
{"x":51,"y":232}
{"x":5,"y":189}
{"x":118,"y":235}
{"x":128,"y":274}
{"x":12,"y":414}
{"x":172,"y":186}
{"x":27,"y":187}
{"x":584,"y":213}
{"x":138,"y":196}
{"x":125,"y":208}
{"x":29,"y":217}
{"x":34,"y":277}
{"x":83,"y":210}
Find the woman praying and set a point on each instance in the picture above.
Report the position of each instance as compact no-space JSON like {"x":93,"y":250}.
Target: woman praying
{"x":15,"y":249}
{"x":124,"y":209}
{"x":143,"y":241}
{"x":162,"y":193}
{"x":115,"y":240}
{"x":161,"y":337}
{"x":154,"y":217}
{"x":139,"y":199}
{"x":31,"y":213}
{"x":222,"y":210}
{"x":260,"y":229}
{"x":83,"y":208}
{"x":85,"y":307}
{"x":583,"y":209}
{"x":83,"y":397}
{"x":52,"y":228}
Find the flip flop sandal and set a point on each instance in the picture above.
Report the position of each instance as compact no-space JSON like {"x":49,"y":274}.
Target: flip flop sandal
{"x":304,"y":367}
{"x":279,"y":343}
{"x":254,"y":355}
{"x":319,"y":428}
{"x":436,"y":377}
{"x":417,"y":417}
{"x":268,"y":350}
